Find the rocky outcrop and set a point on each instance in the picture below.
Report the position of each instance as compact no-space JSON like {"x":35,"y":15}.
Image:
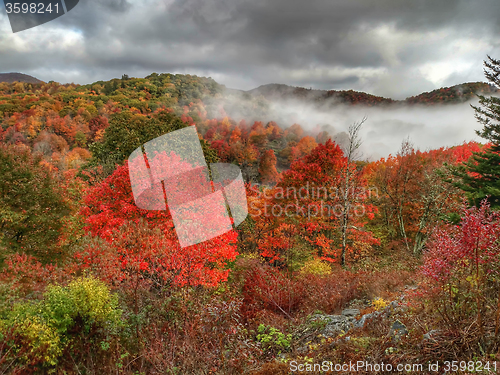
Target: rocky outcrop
{"x":350,"y":318}
{"x":335,"y":327}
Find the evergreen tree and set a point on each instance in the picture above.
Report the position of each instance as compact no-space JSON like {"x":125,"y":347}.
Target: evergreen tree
{"x":480,"y":176}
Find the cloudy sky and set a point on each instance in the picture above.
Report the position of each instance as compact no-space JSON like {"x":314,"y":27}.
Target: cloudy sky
{"x":394,"y":48}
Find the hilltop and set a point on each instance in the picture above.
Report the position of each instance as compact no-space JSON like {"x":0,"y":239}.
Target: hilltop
{"x":454,"y":94}
{"x":18,"y":77}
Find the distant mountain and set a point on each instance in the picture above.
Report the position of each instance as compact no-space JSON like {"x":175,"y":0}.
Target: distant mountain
{"x":18,"y":77}
{"x":447,"y":95}
{"x":454,"y":94}
{"x":275,"y":91}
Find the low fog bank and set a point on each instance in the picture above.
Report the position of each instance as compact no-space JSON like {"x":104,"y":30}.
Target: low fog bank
{"x":427,"y":127}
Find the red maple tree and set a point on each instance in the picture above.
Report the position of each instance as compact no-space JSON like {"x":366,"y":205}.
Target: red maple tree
{"x":144,"y":242}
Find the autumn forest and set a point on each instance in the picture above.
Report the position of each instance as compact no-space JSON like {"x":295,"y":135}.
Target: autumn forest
{"x":340,"y":259}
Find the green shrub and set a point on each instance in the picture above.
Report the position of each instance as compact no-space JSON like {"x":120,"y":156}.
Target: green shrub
{"x":48,"y":326}
{"x":273,"y":340}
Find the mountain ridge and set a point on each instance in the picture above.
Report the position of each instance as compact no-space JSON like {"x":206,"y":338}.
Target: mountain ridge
{"x":446,"y":95}
{"x":459,"y":93}
{"x":18,"y":77}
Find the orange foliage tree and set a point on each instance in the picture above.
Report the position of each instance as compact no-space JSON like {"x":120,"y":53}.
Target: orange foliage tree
{"x":267,"y":168}
{"x":415,"y":193}
{"x":310,"y":197}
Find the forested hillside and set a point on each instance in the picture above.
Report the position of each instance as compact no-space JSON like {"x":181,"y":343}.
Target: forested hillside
{"x":275,"y":91}
{"x":18,"y":77}
{"x":454,"y":94}
{"x":339,"y":259}
{"x":446,"y":95}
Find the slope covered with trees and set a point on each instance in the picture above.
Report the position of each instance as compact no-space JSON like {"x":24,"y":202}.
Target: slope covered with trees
{"x":454,"y":94}
{"x":387,"y":252}
{"x":18,"y":77}
{"x":280,"y":91}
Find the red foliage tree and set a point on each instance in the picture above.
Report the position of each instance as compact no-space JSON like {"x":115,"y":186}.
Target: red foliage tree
{"x":223,"y":150}
{"x":462,"y":269}
{"x":110,"y":205}
{"x":97,"y":125}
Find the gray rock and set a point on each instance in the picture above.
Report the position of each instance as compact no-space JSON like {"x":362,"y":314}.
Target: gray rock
{"x":431,"y":335}
{"x":336,"y":324}
{"x":365,"y":318}
{"x":361,"y":322}
{"x":350,"y":312}
{"x":398,"y":326}
{"x":334,"y":319}
{"x":398,"y":330}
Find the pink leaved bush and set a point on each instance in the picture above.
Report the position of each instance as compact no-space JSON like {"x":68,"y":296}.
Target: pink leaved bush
{"x":474,"y":244}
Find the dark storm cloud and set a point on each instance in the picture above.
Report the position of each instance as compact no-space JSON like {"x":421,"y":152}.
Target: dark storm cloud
{"x":116,"y":5}
{"x":385,"y":47}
